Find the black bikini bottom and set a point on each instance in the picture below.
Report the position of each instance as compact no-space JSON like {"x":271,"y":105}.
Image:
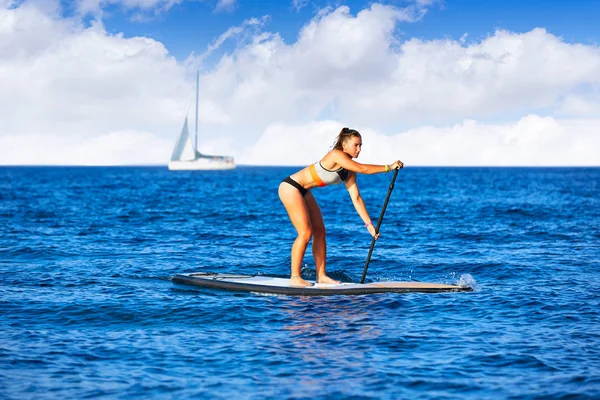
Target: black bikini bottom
{"x":296,"y":185}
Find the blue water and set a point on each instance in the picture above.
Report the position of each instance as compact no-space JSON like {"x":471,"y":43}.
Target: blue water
{"x":87,"y":307}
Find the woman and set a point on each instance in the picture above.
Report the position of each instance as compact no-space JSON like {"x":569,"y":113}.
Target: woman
{"x":336,"y":167}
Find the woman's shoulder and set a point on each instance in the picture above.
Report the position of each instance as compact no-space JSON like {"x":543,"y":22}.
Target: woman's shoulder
{"x":330,"y":159}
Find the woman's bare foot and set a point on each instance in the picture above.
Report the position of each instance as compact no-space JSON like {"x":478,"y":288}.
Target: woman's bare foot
{"x":299,"y":282}
{"x":326,"y":279}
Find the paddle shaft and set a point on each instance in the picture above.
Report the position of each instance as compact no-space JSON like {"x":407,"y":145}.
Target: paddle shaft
{"x":387,"y":199}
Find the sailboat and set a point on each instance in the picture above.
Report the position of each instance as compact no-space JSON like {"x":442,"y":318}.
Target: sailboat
{"x":186,"y":157}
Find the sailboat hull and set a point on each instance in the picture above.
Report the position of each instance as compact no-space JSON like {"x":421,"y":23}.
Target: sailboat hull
{"x":201,"y":164}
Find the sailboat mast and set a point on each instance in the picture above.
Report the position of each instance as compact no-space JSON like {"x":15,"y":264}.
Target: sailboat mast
{"x":196,"y":127}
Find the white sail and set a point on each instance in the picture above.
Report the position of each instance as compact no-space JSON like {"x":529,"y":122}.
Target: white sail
{"x":180,"y":145}
{"x":186,"y":156}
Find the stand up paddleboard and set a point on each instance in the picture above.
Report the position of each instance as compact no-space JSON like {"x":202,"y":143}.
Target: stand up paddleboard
{"x":274,"y":285}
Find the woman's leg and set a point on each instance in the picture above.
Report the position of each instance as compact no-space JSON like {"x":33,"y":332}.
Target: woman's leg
{"x":296,"y":208}
{"x":319,"y":244}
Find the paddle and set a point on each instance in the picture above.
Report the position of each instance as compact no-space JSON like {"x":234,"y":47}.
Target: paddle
{"x":387,"y":198}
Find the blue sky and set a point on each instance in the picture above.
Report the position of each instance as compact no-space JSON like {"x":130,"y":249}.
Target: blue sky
{"x":190,"y":26}
{"x":97,"y":82}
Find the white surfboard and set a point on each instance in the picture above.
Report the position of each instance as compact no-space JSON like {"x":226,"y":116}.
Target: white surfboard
{"x":275,"y":285}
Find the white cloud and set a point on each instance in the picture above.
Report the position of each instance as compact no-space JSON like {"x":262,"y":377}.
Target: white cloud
{"x":292,"y":144}
{"x":354,"y":68}
{"x":225,"y":5}
{"x":299,"y":4}
{"x":232,"y":33}
{"x":335,"y":56}
{"x":426,"y":3}
{"x":532,"y":141}
{"x":129,"y":147}
{"x":143,"y":9}
{"x":95,"y":7}
{"x":60,"y":77}
{"x":580,"y":105}
{"x":68,"y":89}
{"x":114,"y":148}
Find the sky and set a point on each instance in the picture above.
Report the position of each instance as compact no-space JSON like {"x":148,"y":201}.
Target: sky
{"x":430,"y":82}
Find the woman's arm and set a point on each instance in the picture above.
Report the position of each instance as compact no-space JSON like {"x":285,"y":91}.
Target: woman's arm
{"x":342,"y":159}
{"x":359,"y":204}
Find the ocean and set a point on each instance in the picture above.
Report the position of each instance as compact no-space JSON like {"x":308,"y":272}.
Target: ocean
{"x":88,"y":308}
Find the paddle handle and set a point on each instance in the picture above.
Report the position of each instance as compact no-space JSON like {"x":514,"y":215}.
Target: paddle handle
{"x":387,"y":199}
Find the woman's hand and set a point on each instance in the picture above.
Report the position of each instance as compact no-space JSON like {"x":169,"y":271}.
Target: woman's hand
{"x":397,"y":165}
{"x":371,"y":229}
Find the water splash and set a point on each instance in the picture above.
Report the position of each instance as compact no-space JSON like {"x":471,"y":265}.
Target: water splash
{"x":468,"y":280}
